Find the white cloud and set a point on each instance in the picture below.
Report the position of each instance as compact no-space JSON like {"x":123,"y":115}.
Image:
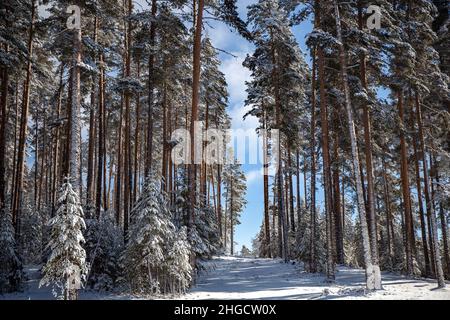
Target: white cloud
{"x":236,"y":75}
{"x":237,"y":113}
{"x":254,"y":176}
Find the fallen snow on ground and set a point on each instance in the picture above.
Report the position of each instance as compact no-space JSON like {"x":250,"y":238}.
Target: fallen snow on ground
{"x":254,"y":278}
{"x":33,"y":292}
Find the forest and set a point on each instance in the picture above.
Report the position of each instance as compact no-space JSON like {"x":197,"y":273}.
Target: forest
{"x":92,"y":91}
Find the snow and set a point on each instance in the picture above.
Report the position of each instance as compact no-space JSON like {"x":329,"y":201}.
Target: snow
{"x":33,"y":292}
{"x":256,"y":278}
{"x":229,"y":277}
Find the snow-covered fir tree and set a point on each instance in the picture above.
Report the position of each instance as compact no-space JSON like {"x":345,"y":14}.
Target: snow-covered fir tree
{"x":66,"y":267}
{"x":104,"y":245}
{"x":11,"y":275}
{"x":154,"y":245}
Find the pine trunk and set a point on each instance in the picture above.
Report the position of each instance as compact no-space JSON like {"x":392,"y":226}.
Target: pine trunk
{"x":194,"y":108}
{"x":100,"y":141}
{"x":266,"y":187}
{"x":372,"y":282}
{"x":151,"y":71}
{"x":312,"y":249}
{"x":3,"y":124}
{"x":326,"y":159}
{"x":17,"y":195}
{"x":369,"y":161}
{"x":405,"y":189}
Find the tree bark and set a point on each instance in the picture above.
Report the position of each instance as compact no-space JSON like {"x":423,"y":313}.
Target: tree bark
{"x":194,"y":108}
{"x":372,"y":282}
{"x":127,"y":154}
{"x":387,"y":204}
{"x":3,"y":124}
{"x":312,"y":255}
{"x":337,"y":197}
{"x":326,"y":158}
{"x":281,"y":209}
{"x":17,"y":196}
{"x":266,"y":187}
{"x":405,"y":188}
{"x":92,"y":126}
{"x":136,"y":135}
{"x":420,"y":204}
{"x":291,"y":191}
{"x":369,"y":161}
{"x":100,"y":141}
{"x":151,"y":71}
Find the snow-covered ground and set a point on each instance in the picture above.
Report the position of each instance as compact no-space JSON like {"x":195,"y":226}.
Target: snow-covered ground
{"x":248,"y":278}
{"x":33,"y":292}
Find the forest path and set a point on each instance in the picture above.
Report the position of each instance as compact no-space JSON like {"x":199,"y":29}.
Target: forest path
{"x":265,"y":279}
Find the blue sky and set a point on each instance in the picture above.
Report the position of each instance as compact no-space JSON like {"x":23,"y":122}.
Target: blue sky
{"x":236,"y":75}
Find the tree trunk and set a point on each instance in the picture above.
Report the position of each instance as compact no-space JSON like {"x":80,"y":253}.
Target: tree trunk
{"x":291,"y":191}
{"x":101,"y":138}
{"x":437,"y":250}
{"x":299,"y":203}
{"x":372,"y":282}
{"x":75,"y":120}
{"x":369,"y":162}
{"x":151,"y":71}
{"x":266,"y":187}
{"x":92,"y":126}
{"x":231,"y":218}
{"x":444,"y":230}
{"x":219,"y":198}
{"x":127,"y":143}
{"x":405,"y":188}
{"x":337,"y":197}
{"x":3,"y":124}
{"x":421,"y":212}
{"x":281,"y":210}
{"x":387,"y":204}
{"x":17,"y":195}
{"x":194,"y":108}
{"x":326,"y":158}
{"x":312,"y":255}
{"x":136,"y":135}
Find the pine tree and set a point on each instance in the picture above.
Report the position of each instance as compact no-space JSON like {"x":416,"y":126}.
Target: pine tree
{"x":11,"y":275}
{"x":373,"y":275}
{"x":156,"y":257}
{"x":66,"y":267}
{"x":104,"y":245}
{"x":235,"y":190}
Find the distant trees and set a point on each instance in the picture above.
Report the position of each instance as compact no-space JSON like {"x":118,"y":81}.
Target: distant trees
{"x":277,"y":95}
{"x":245,"y":252}
{"x":235,"y":188}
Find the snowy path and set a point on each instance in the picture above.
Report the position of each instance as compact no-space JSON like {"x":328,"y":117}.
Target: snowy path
{"x":247,"y":278}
